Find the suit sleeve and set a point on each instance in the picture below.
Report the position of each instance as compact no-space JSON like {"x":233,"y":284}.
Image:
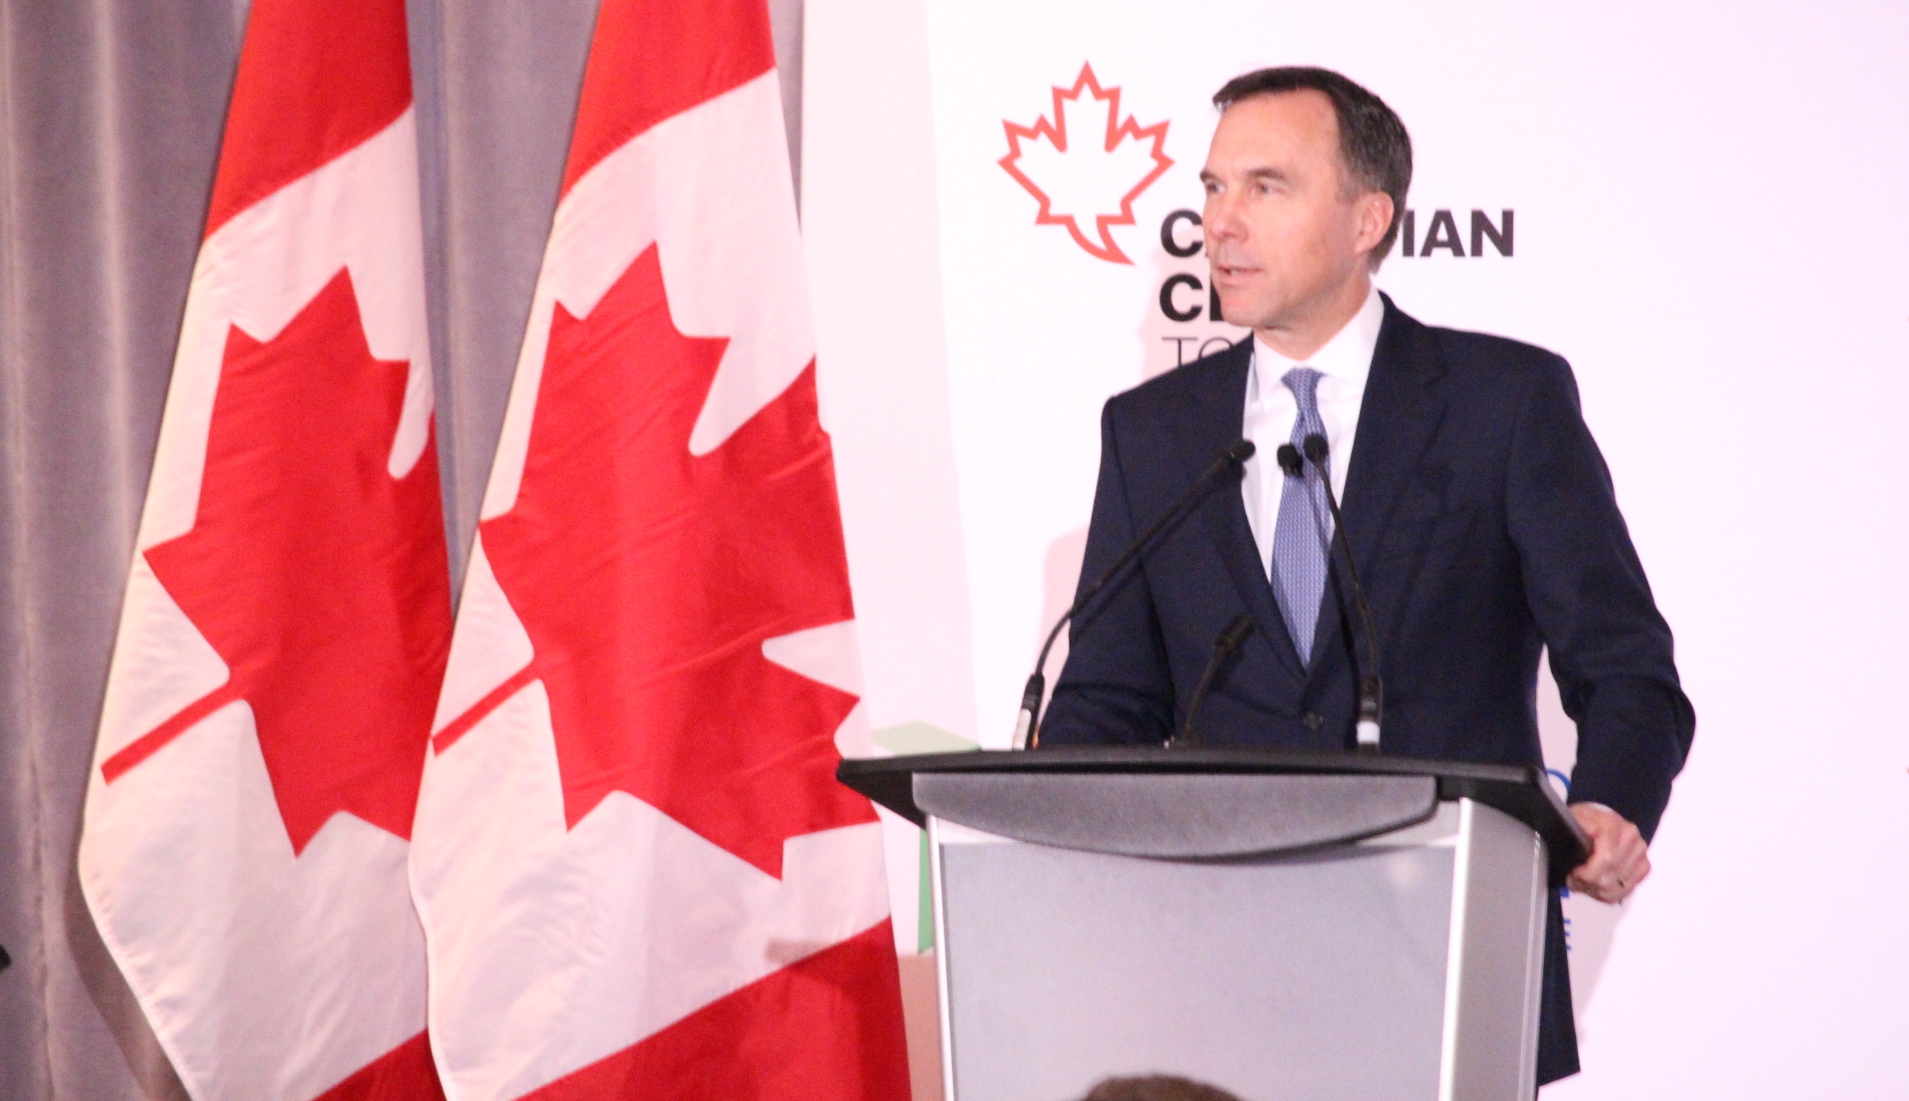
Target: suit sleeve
{"x":1116,"y":688}
{"x":1611,"y":651}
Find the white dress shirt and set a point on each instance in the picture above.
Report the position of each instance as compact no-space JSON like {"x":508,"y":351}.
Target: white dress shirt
{"x":1343,"y":364}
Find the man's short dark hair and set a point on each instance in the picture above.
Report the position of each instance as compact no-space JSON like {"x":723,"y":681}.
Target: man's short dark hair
{"x":1373,"y":144}
{"x":1156,"y":1087}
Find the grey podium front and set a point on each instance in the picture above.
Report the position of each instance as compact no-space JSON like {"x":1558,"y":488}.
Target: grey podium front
{"x":1285,"y":926}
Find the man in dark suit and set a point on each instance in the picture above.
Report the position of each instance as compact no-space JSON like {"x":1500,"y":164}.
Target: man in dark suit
{"x":1479,"y":512}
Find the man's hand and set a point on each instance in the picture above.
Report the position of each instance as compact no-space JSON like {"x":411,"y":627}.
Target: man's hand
{"x":1619,"y":858}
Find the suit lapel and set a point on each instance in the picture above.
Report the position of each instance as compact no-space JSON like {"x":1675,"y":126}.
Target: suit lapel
{"x":1217,"y":415}
{"x":1398,"y":420}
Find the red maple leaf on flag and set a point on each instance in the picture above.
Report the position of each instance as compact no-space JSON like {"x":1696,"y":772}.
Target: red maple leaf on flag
{"x":1094,"y":179}
{"x":319,"y":578}
{"x":648,"y":579}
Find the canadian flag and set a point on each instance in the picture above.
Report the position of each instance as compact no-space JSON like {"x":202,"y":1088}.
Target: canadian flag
{"x":637,"y":873}
{"x":287,"y":614}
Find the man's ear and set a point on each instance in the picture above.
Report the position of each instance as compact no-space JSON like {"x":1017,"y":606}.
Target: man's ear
{"x":1375,"y":217}
{"x":1374,"y":211}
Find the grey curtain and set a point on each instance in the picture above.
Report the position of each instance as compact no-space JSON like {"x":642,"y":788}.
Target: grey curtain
{"x":111,"y":113}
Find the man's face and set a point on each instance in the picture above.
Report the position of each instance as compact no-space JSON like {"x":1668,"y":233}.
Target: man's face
{"x":1283,"y":238}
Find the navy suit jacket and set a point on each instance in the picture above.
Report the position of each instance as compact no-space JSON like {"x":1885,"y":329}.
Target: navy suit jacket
{"x":1484,"y":525}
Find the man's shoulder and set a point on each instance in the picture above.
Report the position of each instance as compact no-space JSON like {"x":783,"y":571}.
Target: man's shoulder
{"x":1209,"y":377}
{"x":1481,"y":358}
{"x":1463,"y":349}
{"x":1476,"y":367}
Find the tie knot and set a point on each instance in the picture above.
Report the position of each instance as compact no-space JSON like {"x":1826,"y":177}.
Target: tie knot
{"x":1304,"y":383}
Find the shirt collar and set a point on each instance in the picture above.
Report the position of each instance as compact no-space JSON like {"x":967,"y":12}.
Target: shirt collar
{"x":1346,"y":357}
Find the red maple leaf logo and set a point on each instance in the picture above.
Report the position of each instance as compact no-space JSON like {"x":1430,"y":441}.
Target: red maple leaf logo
{"x":320,"y":579}
{"x":648,"y":579}
{"x":1087,"y":182}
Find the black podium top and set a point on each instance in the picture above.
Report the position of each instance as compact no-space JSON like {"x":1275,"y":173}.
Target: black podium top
{"x":1521,"y":791}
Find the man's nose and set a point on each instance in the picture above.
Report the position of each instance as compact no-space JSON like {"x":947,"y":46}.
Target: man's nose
{"x":1221,"y":219}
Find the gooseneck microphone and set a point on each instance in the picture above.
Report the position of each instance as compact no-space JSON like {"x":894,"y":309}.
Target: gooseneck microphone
{"x":1228,"y":642}
{"x":1027,"y":727}
{"x":1371,"y":688}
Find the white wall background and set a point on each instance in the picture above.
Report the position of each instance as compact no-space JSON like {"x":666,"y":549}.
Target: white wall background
{"x":1711,"y":224}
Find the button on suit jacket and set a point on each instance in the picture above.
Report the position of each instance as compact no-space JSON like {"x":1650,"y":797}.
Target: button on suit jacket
{"x":1485,"y":528}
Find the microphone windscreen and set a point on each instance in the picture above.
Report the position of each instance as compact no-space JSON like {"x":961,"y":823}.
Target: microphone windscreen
{"x":1316,"y":449}
{"x":1289,"y":460}
{"x":1240,"y":450}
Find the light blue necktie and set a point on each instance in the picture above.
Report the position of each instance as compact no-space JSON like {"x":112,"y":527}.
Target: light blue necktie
{"x":1302,"y":532}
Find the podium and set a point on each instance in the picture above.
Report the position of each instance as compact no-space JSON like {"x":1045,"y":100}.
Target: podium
{"x":1284,"y":924}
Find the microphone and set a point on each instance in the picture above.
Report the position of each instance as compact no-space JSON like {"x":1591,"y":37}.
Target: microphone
{"x":1027,"y":726}
{"x":1371,"y":688}
{"x":1229,"y":640}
